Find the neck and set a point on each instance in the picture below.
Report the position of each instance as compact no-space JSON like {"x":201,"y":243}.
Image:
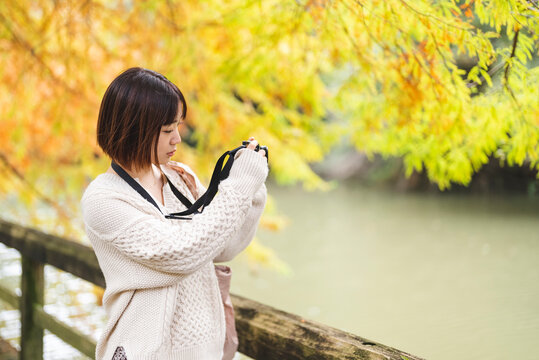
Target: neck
{"x":140,"y":173}
{"x":151,"y":178}
{"x":151,"y":175}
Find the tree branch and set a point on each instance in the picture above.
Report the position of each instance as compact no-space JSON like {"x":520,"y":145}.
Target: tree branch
{"x":491,"y":73}
{"x":32,"y":50}
{"x":31,"y":186}
{"x":507,"y":66}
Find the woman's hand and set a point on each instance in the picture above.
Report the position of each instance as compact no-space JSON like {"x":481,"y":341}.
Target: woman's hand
{"x":252,"y":145}
{"x":250,"y":169}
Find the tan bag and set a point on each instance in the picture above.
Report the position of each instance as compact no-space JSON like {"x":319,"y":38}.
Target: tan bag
{"x":224,"y":275}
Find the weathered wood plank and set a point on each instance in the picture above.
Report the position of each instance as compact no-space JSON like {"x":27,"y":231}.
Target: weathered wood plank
{"x":33,"y":293}
{"x":268,"y":333}
{"x":65,"y":332}
{"x":9,"y":297}
{"x":66,"y":255}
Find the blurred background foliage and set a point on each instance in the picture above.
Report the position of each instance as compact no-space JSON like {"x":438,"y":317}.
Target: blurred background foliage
{"x":445,"y":85}
{"x":436,"y":93}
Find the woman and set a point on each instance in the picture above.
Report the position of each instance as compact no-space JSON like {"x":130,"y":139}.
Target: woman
{"x":162,"y":296}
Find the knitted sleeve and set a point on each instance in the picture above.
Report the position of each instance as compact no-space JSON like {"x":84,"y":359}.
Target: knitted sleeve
{"x":141,"y":233}
{"x":241,"y":238}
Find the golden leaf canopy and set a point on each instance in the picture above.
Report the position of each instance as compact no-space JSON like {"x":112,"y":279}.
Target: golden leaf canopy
{"x":302,"y":76}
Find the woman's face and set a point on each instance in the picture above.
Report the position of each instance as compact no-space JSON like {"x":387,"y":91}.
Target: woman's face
{"x":166,"y":144}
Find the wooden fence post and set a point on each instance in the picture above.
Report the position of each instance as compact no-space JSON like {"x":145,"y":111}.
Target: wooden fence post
{"x":32,"y":288}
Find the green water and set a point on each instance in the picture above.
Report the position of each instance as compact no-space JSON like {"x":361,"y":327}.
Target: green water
{"x":439,"y":276}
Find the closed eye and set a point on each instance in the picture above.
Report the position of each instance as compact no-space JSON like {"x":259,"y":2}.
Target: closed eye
{"x":176,"y":125}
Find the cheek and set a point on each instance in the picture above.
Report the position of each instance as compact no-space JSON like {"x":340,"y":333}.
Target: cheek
{"x":162,"y":142}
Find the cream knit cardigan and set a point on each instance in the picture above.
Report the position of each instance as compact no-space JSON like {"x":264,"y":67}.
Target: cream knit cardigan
{"x":162,"y":297}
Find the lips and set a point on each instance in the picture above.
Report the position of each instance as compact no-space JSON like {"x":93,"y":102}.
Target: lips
{"x":171,"y":153}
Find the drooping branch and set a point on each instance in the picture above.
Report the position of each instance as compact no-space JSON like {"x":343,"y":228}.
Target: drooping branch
{"x":508,"y":65}
{"x":26,"y":45}
{"x":29,"y":185}
{"x":490,"y":73}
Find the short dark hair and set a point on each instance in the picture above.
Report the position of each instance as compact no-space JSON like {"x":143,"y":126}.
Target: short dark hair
{"x":134,"y":108}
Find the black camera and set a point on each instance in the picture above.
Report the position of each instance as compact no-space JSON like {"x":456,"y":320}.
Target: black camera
{"x":258,"y":147}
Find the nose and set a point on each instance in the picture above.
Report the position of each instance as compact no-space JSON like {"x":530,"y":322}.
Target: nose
{"x":176,"y":139}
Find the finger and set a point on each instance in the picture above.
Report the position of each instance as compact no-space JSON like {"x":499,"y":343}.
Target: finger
{"x":262,"y":152}
{"x":252,"y":145}
{"x":251,"y":138}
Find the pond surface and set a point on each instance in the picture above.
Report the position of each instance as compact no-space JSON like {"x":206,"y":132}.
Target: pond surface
{"x":439,"y":276}
{"x":436,"y":275}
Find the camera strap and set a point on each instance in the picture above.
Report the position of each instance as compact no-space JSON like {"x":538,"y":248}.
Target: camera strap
{"x":219,"y":173}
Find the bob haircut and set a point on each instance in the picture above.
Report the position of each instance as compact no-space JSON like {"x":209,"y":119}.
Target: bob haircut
{"x":134,"y":108}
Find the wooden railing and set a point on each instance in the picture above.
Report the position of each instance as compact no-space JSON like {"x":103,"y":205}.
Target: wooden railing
{"x":264,"y":332}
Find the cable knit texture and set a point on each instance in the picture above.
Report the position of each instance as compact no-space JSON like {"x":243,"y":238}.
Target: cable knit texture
{"x":162,"y":296}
